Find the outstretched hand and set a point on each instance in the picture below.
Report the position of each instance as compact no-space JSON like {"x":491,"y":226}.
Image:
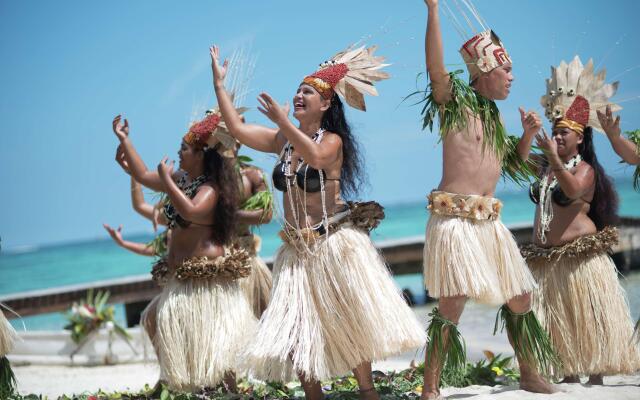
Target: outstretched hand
{"x":165,"y":168}
{"x":431,"y":3}
{"x":120,"y":129}
{"x":116,"y":234}
{"x":274,"y":111}
{"x":610,"y":125}
{"x":219,"y":71}
{"x":531,"y":122}
{"x":548,"y":144}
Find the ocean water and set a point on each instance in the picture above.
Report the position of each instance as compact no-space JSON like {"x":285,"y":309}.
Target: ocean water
{"x":51,"y":266}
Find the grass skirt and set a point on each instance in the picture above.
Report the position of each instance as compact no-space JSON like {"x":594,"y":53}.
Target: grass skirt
{"x":330,"y":311}
{"x":202,"y":327}
{"x":474,"y":258}
{"x":583,"y":307}
{"x":257,"y":286}
{"x":8,"y":335}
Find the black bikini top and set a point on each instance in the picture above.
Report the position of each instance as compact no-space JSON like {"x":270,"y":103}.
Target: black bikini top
{"x":307,"y":178}
{"x":557,"y":195}
{"x":173,"y":218}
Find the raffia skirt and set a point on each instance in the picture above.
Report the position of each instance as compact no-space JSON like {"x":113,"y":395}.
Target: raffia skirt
{"x":257,"y":286}
{"x":583,"y":306}
{"x":203,"y":324}
{"x":8,"y":335}
{"x":469,"y":252}
{"x":331,"y":310}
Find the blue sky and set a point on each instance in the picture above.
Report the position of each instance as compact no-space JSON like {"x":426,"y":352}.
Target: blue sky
{"x":68,"y":67}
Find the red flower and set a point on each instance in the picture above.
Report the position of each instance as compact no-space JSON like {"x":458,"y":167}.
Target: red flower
{"x":206,"y":126}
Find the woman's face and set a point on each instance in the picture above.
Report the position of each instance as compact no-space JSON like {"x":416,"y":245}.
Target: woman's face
{"x":189,"y":156}
{"x":567,"y":140}
{"x":308,"y":104}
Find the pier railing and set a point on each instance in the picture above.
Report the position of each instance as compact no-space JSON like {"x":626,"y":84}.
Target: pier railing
{"x":404,"y":256}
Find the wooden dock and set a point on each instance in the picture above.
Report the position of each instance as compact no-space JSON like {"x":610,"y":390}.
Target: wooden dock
{"x":404,"y":256}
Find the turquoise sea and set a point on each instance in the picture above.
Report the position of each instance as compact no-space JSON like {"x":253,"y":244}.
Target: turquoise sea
{"x":72,"y":263}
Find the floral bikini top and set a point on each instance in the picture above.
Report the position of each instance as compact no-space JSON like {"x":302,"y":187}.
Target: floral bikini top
{"x":173,"y":218}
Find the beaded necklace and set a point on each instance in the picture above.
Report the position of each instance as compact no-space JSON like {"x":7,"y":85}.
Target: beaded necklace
{"x":546,"y":208}
{"x":301,"y":198}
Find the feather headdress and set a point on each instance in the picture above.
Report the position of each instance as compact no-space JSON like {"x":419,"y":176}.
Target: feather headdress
{"x":575,"y":93}
{"x":350,"y":74}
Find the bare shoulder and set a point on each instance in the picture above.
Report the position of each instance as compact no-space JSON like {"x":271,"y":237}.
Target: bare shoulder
{"x":585,"y":172}
{"x":206,"y":188}
{"x":331,"y":138}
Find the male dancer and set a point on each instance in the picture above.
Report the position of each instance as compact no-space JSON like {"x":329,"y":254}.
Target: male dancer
{"x":469,"y":253}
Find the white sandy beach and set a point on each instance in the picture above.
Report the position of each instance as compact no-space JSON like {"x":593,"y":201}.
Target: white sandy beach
{"x":476,"y":325}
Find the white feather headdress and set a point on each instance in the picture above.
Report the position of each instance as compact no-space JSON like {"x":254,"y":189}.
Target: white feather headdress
{"x":575,"y":93}
{"x":351,"y":74}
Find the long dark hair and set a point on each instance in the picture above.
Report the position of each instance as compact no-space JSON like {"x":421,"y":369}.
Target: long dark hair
{"x":221,"y":173}
{"x":604,"y":206}
{"x":352,"y":172}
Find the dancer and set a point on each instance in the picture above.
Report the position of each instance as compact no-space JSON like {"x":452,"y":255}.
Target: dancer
{"x":469,"y":253}
{"x":334,"y":306}
{"x":203,"y":318}
{"x":580,"y":300}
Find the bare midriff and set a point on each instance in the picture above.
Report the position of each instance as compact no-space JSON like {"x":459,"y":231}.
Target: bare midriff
{"x":568,"y":223}
{"x":193,"y":241}
{"x":309,"y":205}
{"x":468,"y":168}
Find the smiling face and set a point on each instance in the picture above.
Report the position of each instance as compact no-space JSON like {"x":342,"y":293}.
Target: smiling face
{"x":496,"y":84}
{"x":567,"y":140}
{"x":190,"y":157}
{"x":308,"y":104}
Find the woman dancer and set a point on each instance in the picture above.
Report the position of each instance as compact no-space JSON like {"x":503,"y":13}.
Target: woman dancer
{"x":334,"y":307}
{"x":579,"y":300}
{"x":203,"y":318}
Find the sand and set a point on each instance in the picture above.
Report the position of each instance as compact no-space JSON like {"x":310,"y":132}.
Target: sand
{"x":476,"y":325}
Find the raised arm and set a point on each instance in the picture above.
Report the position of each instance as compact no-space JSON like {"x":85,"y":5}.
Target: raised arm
{"x":137,"y":201}
{"x":624,"y":147}
{"x":199,"y":209}
{"x":257,"y":137}
{"x":137,"y":167}
{"x":574,"y":185}
{"x":149,"y":211}
{"x":434,"y":54}
{"x":144,"y":249}
{"x":318,"y":155}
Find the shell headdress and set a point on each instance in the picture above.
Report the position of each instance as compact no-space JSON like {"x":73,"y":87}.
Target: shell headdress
{"x":575,"y":93}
